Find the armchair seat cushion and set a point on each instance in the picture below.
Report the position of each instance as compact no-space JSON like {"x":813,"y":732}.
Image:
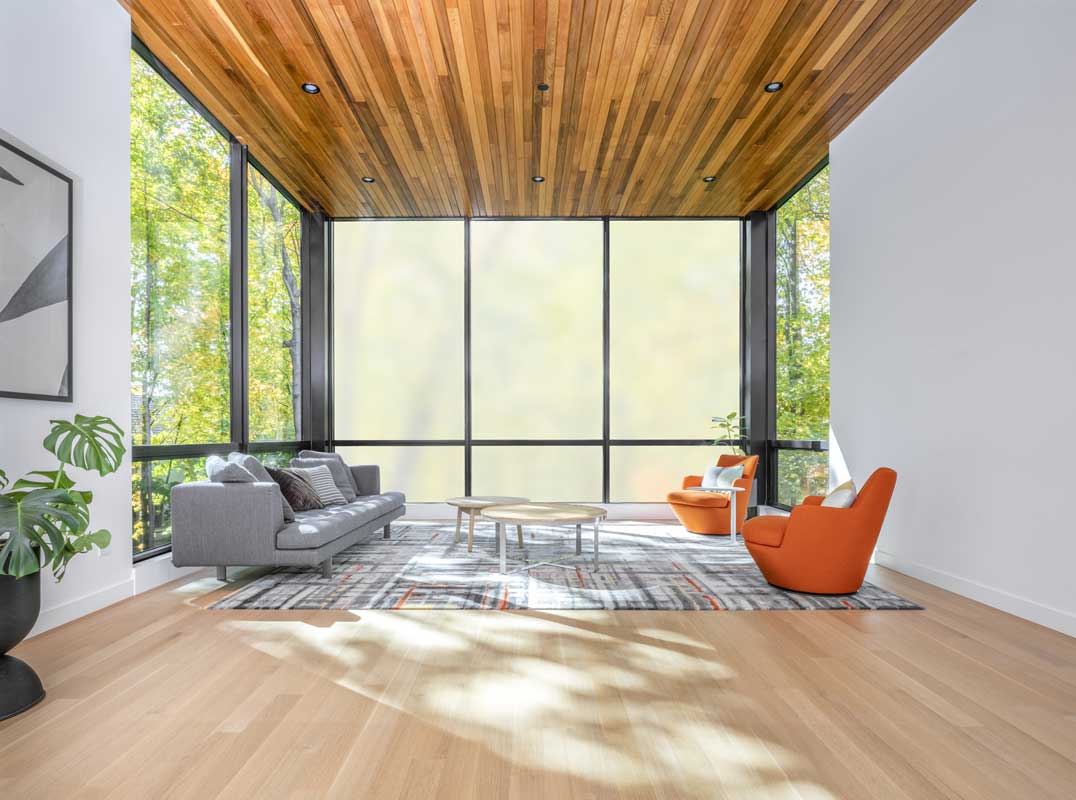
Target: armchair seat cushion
{"x":689,"y":497}
{"x":767,"y":530}
{"x":312,"y":529}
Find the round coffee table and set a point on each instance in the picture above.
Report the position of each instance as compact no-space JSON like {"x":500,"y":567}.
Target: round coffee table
{"x":474,"y":505}
{"x":545,"y":514}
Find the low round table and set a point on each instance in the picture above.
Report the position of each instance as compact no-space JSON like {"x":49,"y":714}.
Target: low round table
{"x":545,"y":514}
{"x":474,"y":505}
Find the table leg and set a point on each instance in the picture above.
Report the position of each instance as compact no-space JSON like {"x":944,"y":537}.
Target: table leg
{"x":501,"y":536}
{"x":519,"y":534}
{"x":459,"y":523}
{"x":597,"y":524}
{"x":470,"y":532}
{"x":732,"y":517}
{"x":578,"y":539}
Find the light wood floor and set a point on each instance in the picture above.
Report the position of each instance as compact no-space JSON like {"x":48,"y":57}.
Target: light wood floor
{"x":156,"y":697}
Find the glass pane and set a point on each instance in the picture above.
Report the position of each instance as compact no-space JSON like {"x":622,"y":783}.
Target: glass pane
{"x":541,"y":473}
{"x":536,"y":321}
{"x":648,"y":474}
{"x":674,"y":303}
{"x":800,"y":473}
{"x":803,"y":312}
{"x":275,"y":328}
{"x":398,"y":318}
{"x":424,"y":474}
{"x":276,"y":458}
{"x":151,"y":488}
{"x":179,"y":269}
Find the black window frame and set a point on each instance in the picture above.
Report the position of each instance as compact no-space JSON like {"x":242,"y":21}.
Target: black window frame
{"x":240,"y":163}
{"x":606,"y":441}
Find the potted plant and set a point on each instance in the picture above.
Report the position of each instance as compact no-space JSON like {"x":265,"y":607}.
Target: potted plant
{"x":734,"y":428}
{"x":45,"y":521}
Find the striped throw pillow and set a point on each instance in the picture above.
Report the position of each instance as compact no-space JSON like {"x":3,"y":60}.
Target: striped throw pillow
{"x":321,"y":479}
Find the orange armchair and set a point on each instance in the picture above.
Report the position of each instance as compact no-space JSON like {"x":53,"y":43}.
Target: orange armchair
{"x":707,"y":512}
{"x":819,"y":549}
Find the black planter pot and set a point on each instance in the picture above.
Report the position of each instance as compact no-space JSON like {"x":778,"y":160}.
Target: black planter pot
{"x":20,"y":603}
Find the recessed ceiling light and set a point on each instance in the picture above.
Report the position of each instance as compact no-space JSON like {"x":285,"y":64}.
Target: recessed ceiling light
{"x":311,"y":88}
{"x":368,"y":179}
{"x":543,"y":87}
{"x":774,"y":86}
{"x":538,"y":179}
{"x":709,"y":179}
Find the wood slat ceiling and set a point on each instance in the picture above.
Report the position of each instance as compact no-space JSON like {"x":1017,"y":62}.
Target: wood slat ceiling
{"x":437,"y":99}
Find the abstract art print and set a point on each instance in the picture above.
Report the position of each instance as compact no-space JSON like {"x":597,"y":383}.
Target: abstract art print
{"x":35,"y":278}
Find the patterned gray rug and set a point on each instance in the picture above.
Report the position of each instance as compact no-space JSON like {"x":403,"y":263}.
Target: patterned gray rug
{"x":642,"y":566}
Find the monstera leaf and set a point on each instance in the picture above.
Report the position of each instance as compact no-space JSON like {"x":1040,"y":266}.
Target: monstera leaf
{"x":52,"y":479}
{"x":3,"y":479}
{"x":93,"y":443}
{"x":42,"y":518}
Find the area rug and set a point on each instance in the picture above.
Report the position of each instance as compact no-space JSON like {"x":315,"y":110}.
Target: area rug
{"x":642,"y":566}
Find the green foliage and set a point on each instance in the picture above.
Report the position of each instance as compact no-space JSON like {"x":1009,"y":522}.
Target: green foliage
{"x":803,"y":331}
{"x":732,"y":426}
{"x":44,"y":518}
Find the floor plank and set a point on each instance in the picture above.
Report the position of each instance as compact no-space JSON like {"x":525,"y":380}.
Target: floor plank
{"x":159,"y":697}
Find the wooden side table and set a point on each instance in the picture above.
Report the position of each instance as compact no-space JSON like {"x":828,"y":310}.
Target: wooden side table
{"x":545,"y":514}
{"x":473,"y":506}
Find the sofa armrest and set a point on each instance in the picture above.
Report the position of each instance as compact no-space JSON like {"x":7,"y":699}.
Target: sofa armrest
{"x":367,"y":478}
{"x":225,"y":524}
{"x":692,"y":480}
{"x":813,"y":500}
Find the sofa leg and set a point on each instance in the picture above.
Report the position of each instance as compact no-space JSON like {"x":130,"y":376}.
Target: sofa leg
{"x":388,"y":531}
{"x":222,"y":573}
{"x":327,"y":567}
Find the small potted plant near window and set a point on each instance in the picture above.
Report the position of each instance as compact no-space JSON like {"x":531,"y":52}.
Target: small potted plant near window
{"x":45,"y":521}
{"x":735,"y":429}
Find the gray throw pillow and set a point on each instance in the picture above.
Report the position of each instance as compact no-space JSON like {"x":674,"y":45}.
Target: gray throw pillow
{"x":221,"y":471}
{"x":721,"y":477}
{"x":341,"y":474}
{"x":334,"y":457}
{"x":321,"y":479}
{"x":261,"y":475}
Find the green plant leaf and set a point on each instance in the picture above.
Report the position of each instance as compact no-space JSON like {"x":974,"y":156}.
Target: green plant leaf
{"x":92,"y":443}
{"x":41,"y":518}
{"x":52,"y":479}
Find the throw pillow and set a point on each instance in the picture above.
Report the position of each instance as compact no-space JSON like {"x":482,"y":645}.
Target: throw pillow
{"x":299,"y":494}
{"x":321,"y":479}
{"x":721,"y":477}
{"x":220,"y":471}
{"x":261,"y":475}
{"x":334,"y":457}
{"x":841,"y":497}
{"x":341,"y":474}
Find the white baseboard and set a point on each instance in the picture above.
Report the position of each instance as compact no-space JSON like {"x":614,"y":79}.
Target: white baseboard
{"x":1056,"y":618}
{"x":154,"y":572}
{"x":648,"y":512}
{"x":81,"y":606}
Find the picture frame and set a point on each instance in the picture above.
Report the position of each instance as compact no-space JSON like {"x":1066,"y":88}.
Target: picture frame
{"x":36,"y":278}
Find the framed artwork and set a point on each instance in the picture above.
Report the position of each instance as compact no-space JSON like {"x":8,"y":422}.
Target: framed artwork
{"x":36,"y":217}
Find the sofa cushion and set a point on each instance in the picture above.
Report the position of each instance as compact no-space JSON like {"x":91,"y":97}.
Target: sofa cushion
{"x":341,"y":474}
{"x":313,"y":529}
{"x":220,"y":471}
{"x":261,"y":475}
{"x":334,"y":457}
{"x":293,"y":485}
{"x":693,"y":497}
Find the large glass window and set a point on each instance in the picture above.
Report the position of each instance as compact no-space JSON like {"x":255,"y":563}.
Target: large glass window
{"x":802,"y":337}
{"x":181,"y":328}
{"x":428,"y":474}
{"x":182,"y":369}
{"x":639,"y":474}
{"x":536,"y":322}
{"x":551,"y":473}
{"x":674,"y":300}
{"x":274,"y":312}
{"x":398,"y":329}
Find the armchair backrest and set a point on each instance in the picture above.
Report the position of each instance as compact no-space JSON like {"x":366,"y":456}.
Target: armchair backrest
{"x":750,"y":464}
{"x":872,"y":502}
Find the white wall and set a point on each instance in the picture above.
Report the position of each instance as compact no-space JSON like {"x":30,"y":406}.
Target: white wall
{"x":953,"y":286}
{"x":64,"y":97}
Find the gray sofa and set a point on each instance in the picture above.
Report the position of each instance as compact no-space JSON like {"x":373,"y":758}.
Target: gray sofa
{"x":242,"y":524}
